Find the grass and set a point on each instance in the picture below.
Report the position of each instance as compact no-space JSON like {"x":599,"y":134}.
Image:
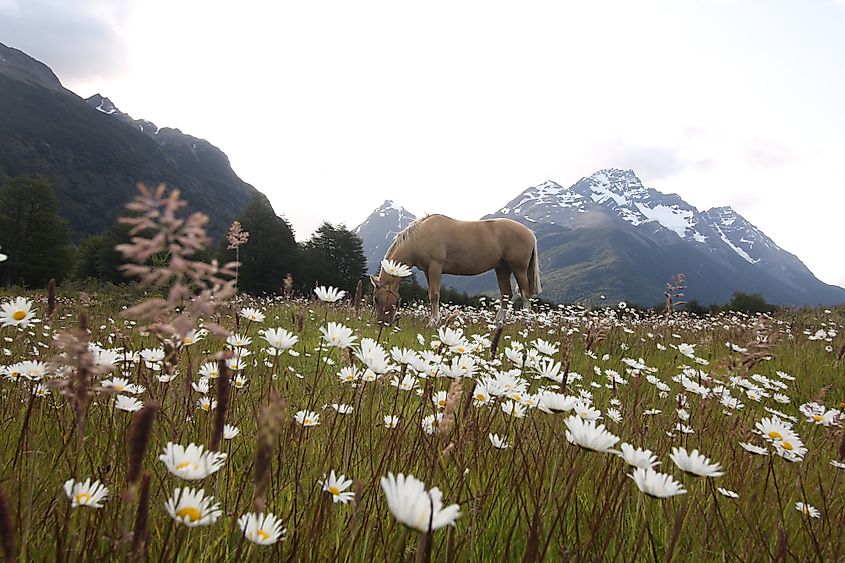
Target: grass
{"x":541,"y":499}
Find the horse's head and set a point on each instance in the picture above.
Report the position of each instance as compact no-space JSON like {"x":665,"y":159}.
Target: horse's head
{"x":385,"y":299}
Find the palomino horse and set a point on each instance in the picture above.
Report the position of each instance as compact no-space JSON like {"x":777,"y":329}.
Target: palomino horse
{"x":439,"y":245}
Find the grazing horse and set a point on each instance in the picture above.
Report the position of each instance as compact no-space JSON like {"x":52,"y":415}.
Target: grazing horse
{"x":439,"y":245}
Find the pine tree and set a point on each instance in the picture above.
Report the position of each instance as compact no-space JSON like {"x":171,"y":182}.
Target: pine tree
{"x":32,"y":233}
{"x":334,"y":256}
{"x":269,"y":254}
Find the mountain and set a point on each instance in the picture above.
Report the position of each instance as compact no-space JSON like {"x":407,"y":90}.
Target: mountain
{"x":377,"y":231}
{"x":609,"y":235}
{"x":94,"y":155}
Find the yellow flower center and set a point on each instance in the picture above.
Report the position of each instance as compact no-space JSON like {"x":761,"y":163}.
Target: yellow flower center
{"x":481,"y":396}
{"x":119,"y":387}
{"x":787,"y":446}
{"x":818,"y":418}
{"x":442,"y":403}
{"x":189,"y":513}
{"x":334,"y":490}
{"x":83,"y":498}
{"x":186,"y":465}
{"x":187,"y":340}
{"x":775,"y":435}
{"x":19,"y":315}
{"x":306,"y":421}
{"x":262,"y":534}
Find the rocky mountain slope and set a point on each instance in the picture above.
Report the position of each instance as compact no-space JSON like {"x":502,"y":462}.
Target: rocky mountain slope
{"x":608,"y":235}
{"x":94,"y":155}
{"x":377,"y":231}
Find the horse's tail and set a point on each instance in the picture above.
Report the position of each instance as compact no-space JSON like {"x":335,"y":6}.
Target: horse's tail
{"x":534,"y":286}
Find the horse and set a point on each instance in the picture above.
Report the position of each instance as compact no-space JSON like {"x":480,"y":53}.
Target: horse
{"x":439,"y":245}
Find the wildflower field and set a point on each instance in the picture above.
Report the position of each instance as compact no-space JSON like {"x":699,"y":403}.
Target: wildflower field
{"x":198,"y":425}
{"x":526,"y":441}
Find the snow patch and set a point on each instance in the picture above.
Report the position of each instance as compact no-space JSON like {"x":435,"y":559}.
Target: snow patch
{"x":106,"y":111}
{"x":736,"y":249}
{"x":673,"y":218}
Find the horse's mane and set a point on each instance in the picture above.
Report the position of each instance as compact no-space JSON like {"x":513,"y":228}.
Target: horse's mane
{"x":406,"y":235}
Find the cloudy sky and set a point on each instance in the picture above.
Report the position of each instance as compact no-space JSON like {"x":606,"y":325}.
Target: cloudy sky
{"x":456,"y":107}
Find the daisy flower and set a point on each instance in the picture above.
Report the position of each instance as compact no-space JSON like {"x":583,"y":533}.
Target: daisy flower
{"x":209,"y":370}
{"x":17,"y":312}
{"x":727,"y":492}
{"x":253,"y":315}
{"x":329,"y":294}
{"x":348,"y":374}
{"x":279,"y":338}
{"x":396,"y":269}
{"x":586,"y":434}
{"x":337,"y":335}
{"x":192,"y":508}
{"x":638,"y":457}
{"x":391,"y":421}
{"x":262,"y":529}
{"x":514,"y":409}
{"x":128,"y":404}
{"x":342,"y":409}
{"x":695,"y":463}
{"x":230,"y":431}
{"x":773,"y":428}
{"x":238,"y":341}
{"x":206,"y":403}
{"x":808,"y":510}
{"x":307,"y":418}
{"x":191,"y":463}
{"x":654,"y":484}
{"x":122,"y":385}
{"x":499,"y":443}
{"x":429,"y":423}
{"x":550,"y":402}
{"x":753,"y":448}
{"x":85,"y":494}
{"x":415,"y":507}
{"x":336,"y":486}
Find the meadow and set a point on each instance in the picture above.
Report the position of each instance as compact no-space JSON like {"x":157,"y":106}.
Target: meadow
{"x":486,"y":424}
{"x":195,"y":424}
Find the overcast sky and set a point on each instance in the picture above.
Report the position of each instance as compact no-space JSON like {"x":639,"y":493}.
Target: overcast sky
{"x":455,"y":107}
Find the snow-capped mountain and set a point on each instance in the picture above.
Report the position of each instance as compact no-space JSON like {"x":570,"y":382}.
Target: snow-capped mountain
{"x":377,"y":231}
{"x":609,"y":235}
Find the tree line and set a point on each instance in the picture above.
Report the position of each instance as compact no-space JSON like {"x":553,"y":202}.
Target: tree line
{"x":37,"y":242}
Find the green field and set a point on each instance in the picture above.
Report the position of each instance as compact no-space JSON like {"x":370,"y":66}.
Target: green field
{"x":541,"y":498}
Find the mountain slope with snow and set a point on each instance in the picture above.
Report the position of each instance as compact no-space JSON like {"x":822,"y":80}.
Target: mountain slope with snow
{"x":377,"y":231}
{"x":609,"y":235}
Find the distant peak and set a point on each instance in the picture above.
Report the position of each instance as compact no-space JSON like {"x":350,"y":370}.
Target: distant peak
{"x":102,"y":104}
{"x":390,"y":204}
{"x":723,"y":210}
{"x":617,"y":177}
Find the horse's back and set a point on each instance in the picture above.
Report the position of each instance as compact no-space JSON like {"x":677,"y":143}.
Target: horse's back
{"x":472,"y":247}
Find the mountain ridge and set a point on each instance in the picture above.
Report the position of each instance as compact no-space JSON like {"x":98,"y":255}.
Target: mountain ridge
{"x":608,"y":234}
{"x":94,"y":155}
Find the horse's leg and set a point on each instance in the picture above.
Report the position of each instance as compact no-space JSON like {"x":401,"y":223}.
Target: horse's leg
{"x":503,"y":277}
{"x":522,"y":281}
{"x":434,"y":275}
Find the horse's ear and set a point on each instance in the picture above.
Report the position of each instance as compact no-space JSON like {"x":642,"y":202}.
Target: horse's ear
{"x":375,"y":282}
